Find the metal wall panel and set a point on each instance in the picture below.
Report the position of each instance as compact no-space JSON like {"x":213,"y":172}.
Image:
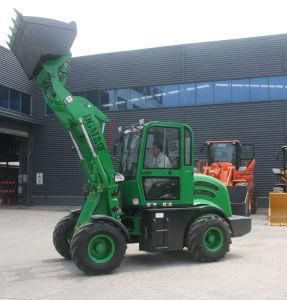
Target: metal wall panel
{"x":261,"y":123}
{"x":242,"y":58}
{"x":11,"y":73}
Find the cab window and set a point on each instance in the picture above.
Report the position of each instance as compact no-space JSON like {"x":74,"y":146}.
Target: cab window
{"x":162,"y":148}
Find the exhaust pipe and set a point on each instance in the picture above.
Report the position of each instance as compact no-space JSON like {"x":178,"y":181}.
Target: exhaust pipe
{"x":35,"y":40}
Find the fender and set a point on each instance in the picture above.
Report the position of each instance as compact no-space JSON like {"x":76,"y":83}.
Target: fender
{"x":114,"y":221}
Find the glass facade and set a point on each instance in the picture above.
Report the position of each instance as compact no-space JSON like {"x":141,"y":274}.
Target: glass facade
{"x":14,"y":100}
{"x":186,"y":94}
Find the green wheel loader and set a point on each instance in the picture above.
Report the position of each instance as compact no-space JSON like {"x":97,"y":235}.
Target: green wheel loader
{"x":155,"y":200}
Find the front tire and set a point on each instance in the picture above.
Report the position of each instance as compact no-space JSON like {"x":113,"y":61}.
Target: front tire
{"x":208,"y":238}
{"x":98,"y":248}
{"x":63,"y":233}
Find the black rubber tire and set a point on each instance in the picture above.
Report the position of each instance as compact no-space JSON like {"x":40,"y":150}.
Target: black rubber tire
{"x":195,"y":238}
{"x":80,"y":242}
{"x":248,"y":206}
{"x":62,"y":233}
{"x":254,"y":203}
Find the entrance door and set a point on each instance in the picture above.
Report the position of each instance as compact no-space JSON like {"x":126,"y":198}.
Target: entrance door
{"x":13,"y":165}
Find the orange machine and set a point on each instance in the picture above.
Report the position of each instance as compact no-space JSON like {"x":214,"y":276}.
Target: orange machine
{"x":232,"y":163}
{"x":277,"y":213}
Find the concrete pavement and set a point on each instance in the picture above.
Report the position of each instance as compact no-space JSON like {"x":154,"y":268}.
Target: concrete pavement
{"x":30,"y":268}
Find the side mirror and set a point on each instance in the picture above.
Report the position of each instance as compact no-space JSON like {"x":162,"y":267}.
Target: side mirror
{"x":119,"y":177}
{"x":276,"y":171}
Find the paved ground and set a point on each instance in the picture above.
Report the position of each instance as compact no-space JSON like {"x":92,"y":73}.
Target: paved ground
{"x":30,"y":268}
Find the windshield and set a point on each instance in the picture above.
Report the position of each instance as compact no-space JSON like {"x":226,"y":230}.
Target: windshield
{"x":129,"y":154}
{"x":222,"y":152}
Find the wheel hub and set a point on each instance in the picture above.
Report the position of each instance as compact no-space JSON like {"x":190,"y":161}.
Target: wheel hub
{"x":213,"y":239}
{"x":101,"y":248}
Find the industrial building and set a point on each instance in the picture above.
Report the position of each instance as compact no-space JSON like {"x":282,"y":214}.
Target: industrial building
{"x":233,"y":89}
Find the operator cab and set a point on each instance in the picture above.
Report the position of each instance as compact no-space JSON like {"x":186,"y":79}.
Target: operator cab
{"x":153,"y":157}
{"x":223,"y":152}
{"x":229,"y":153}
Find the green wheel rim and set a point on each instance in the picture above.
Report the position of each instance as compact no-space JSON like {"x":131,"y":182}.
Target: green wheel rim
{"x":101,"y":248}
{"x":213,"y":239}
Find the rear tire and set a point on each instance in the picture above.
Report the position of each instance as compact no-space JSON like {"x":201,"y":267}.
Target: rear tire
{"x":63,"y":233}
{"x":208,"y":238}
{"x":98,"y":248}
{"x":254,"y":202}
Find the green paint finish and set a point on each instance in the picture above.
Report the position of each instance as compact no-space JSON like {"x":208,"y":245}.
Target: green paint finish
{"x":132,"y":224}
{"x":101,"y":248}
{"x":221,"y":200}
{"x":84,"y":122}
{"x":129,"y":193}
{"x":213,"y":239}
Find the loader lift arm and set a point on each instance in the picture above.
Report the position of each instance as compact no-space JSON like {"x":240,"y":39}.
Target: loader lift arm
{"x":85,"y":124}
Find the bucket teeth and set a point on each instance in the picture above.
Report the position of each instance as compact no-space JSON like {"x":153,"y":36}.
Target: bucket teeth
{"x":35,"y":40}
{"x":9,"y":45}
{"x":16,"y":24}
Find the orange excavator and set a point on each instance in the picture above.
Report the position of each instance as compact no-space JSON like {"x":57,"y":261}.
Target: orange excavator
{"x":232,"y":163}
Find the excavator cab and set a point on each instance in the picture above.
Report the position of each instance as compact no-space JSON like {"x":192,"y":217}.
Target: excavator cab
{"x":277,"y":213}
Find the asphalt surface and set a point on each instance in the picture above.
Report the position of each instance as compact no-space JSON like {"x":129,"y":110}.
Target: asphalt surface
{"x":30,"y":268}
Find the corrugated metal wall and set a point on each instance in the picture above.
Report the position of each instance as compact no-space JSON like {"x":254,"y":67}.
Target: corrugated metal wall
{"x":242,"y":58}
{"x":261,"y":123}
{"x":11,"y":73}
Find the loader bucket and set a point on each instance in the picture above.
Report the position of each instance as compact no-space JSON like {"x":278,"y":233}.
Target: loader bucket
{"x":239,"y":200}
{"x":277,"y":214}
{"x":35,"y":40}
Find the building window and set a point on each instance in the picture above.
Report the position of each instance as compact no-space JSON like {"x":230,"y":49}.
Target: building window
{"x":204,"y":93}
{"x":107,"y":99}
{"x":240,"y":90}
{"x":222,"y":91}
{"x":94,"y":97}
{"x":122,"y":99}
{"x":137,"y":99}
{"x":4,"y":96}
{"x":201,"y":93}
{"x":153,"y":97}
{"x":187,"y":94}
{"x":259,"y":89}
{"x":170,"y":95}
{"x":25,"y":103}
{"x":14,"y":100}
{"x":278,"y":88}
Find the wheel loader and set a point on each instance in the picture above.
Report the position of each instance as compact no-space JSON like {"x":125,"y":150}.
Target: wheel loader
{"x":277,"y":213}
{"x":156,"y":200}
{"x":233,"y":163}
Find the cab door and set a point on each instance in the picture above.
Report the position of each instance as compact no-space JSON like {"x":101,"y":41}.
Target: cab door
{"x":163,"y":165}
{"x":161,"y":174}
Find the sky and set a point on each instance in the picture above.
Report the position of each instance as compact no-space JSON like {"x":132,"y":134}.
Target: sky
{"x":118,"y":25}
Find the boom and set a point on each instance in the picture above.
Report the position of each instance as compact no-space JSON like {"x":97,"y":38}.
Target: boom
{"x":81,"y":118}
